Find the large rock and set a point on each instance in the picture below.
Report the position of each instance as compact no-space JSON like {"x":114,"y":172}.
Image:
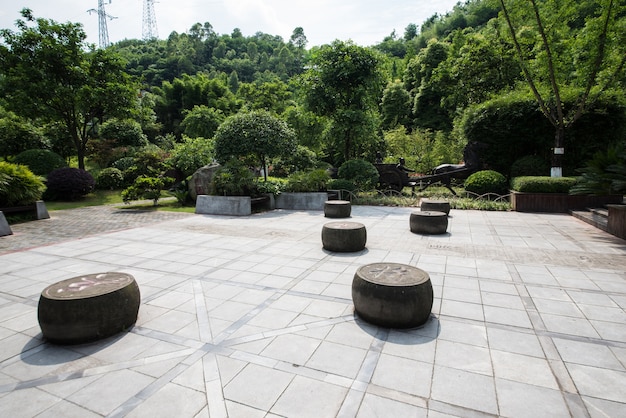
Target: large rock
{"x":200,"y":182}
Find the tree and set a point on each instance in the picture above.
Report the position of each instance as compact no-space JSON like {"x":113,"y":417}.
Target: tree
{"x":201,"y":121}
{"x":573,"y":45}
{"x":125,"y":132}
{"x":17,"y":135}
{"x":257,"y":134}
{"x":396,"y":106}
{"x":344,"y":81}
{"x":48,"y":71}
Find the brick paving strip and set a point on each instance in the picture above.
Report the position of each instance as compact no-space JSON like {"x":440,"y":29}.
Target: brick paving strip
{"x":68,"y":224}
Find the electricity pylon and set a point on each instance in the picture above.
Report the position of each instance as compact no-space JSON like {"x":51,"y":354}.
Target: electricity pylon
{"x":103,"y":32}
{"x":149,"y":27}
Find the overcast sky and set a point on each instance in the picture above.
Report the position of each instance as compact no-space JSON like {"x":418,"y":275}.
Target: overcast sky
{"x":366,"y":22}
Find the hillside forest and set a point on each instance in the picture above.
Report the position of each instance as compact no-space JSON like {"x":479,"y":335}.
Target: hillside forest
{"x":539,"y":82}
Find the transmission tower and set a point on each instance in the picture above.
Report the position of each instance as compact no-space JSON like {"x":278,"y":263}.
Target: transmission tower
{"x":149,"y":27}
{"x":103,"y":32}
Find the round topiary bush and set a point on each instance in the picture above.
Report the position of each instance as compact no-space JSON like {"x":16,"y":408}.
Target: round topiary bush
{"x":360,"y":172}
{"x":69,"y":184}
{"x":110,"y":178}
{"x":18,"y":185}
{"x":486,"y":181}
{"x":530,"y":165}
{"x":40,"y":161}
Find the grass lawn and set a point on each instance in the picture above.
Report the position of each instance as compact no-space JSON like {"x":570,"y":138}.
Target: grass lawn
{"x":111,"y":197}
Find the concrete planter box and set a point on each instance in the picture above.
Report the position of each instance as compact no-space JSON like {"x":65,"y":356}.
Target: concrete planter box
{"x":301,"y":201}
{"x":617,"y":220}
{"x":558,"y":202}
{"x":231,"y":205}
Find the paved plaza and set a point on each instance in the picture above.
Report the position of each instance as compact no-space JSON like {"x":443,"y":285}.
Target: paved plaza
{"x":250,"y":317}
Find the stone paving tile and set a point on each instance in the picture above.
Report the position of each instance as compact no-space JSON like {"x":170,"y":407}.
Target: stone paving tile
{"x":249,"y":316}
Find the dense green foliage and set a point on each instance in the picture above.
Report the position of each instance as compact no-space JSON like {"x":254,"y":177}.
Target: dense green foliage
{"x":486,"y":181}
{"x":68,"y":183}
{"x":361,"y":173}
{"x":308,"y":181}
{"x":604,"y":174}
{"x":529,"y":165}
{"x":18,"y":185}
{"x":542,"y":184}
{"x":234,"y":178}
{"x":40,"y":161}
{"x":50,"y":72}
{"x":190,"y":154}
{"x":421,"y":95}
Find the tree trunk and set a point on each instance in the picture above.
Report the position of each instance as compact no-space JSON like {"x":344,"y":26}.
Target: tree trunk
{"x":558,"y":152}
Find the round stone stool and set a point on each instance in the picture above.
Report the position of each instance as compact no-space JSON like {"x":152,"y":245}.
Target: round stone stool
{"x":392,"y":295}
{"x":429,"y":205}
{"x":337,"y":209}
{"x":344,"y":236}
{"x":427,"y":222}
{"x":87,"y":308}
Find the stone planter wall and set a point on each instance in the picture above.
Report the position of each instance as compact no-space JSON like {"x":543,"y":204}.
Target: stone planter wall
{"x":559,"y":202}
{"x":617,"y":220}
{"x":301,"y":201}
{"x":224,"y":205}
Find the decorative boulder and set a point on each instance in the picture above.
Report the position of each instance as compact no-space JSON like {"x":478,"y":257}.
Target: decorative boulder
{"x":200,"y":181}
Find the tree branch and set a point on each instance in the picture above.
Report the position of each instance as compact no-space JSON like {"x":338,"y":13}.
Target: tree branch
{"x":544,"y":108}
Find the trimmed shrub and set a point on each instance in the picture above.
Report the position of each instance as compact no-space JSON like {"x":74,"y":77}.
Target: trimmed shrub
{"x":341,"y":184}
{"x":308,"y":181}
{"x":530,"y":165}
{"x":40,"y":161}
{"x":110,"y":179}
{"x":486,"y":181}
{"x":69,"y":184}
{"x":360,"y":172}
{"x":542,"y":184}
{"x":146,"y":188}
{"x":18,"y":185}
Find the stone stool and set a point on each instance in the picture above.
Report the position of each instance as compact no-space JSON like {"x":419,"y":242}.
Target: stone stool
{"x":344,"y":236}
{"x":428,"y":222}
{"x":392,"y":295}
{"x":429,"y":205}
{"x":337,"y":209}
{"x":87,"y":308}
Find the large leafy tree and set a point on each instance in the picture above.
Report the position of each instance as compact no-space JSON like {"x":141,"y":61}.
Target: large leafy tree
{"x":257,"y":134}
{"x":48,"y":71}
{"x":344,"y":83}
{"x":578,"y":46}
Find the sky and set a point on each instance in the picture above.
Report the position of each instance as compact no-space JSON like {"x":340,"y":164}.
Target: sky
{"x":366,"y":22}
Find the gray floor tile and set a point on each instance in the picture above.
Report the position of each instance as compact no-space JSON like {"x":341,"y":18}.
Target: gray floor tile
{"x":521,"y":400}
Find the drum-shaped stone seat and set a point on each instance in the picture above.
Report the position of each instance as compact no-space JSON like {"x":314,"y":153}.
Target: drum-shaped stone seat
{"x":344,"y":236}
{"x":428,"y":222}
{"x":89,"y":307}
{"x":392,"y":295}
{"x":337,"y":209}
{"x":430,"y":205}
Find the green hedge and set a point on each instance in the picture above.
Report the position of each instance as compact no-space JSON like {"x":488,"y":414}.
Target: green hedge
{"x":542,"y":184}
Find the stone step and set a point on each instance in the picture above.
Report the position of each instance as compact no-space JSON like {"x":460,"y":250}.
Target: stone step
{"x":597,"y":217}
